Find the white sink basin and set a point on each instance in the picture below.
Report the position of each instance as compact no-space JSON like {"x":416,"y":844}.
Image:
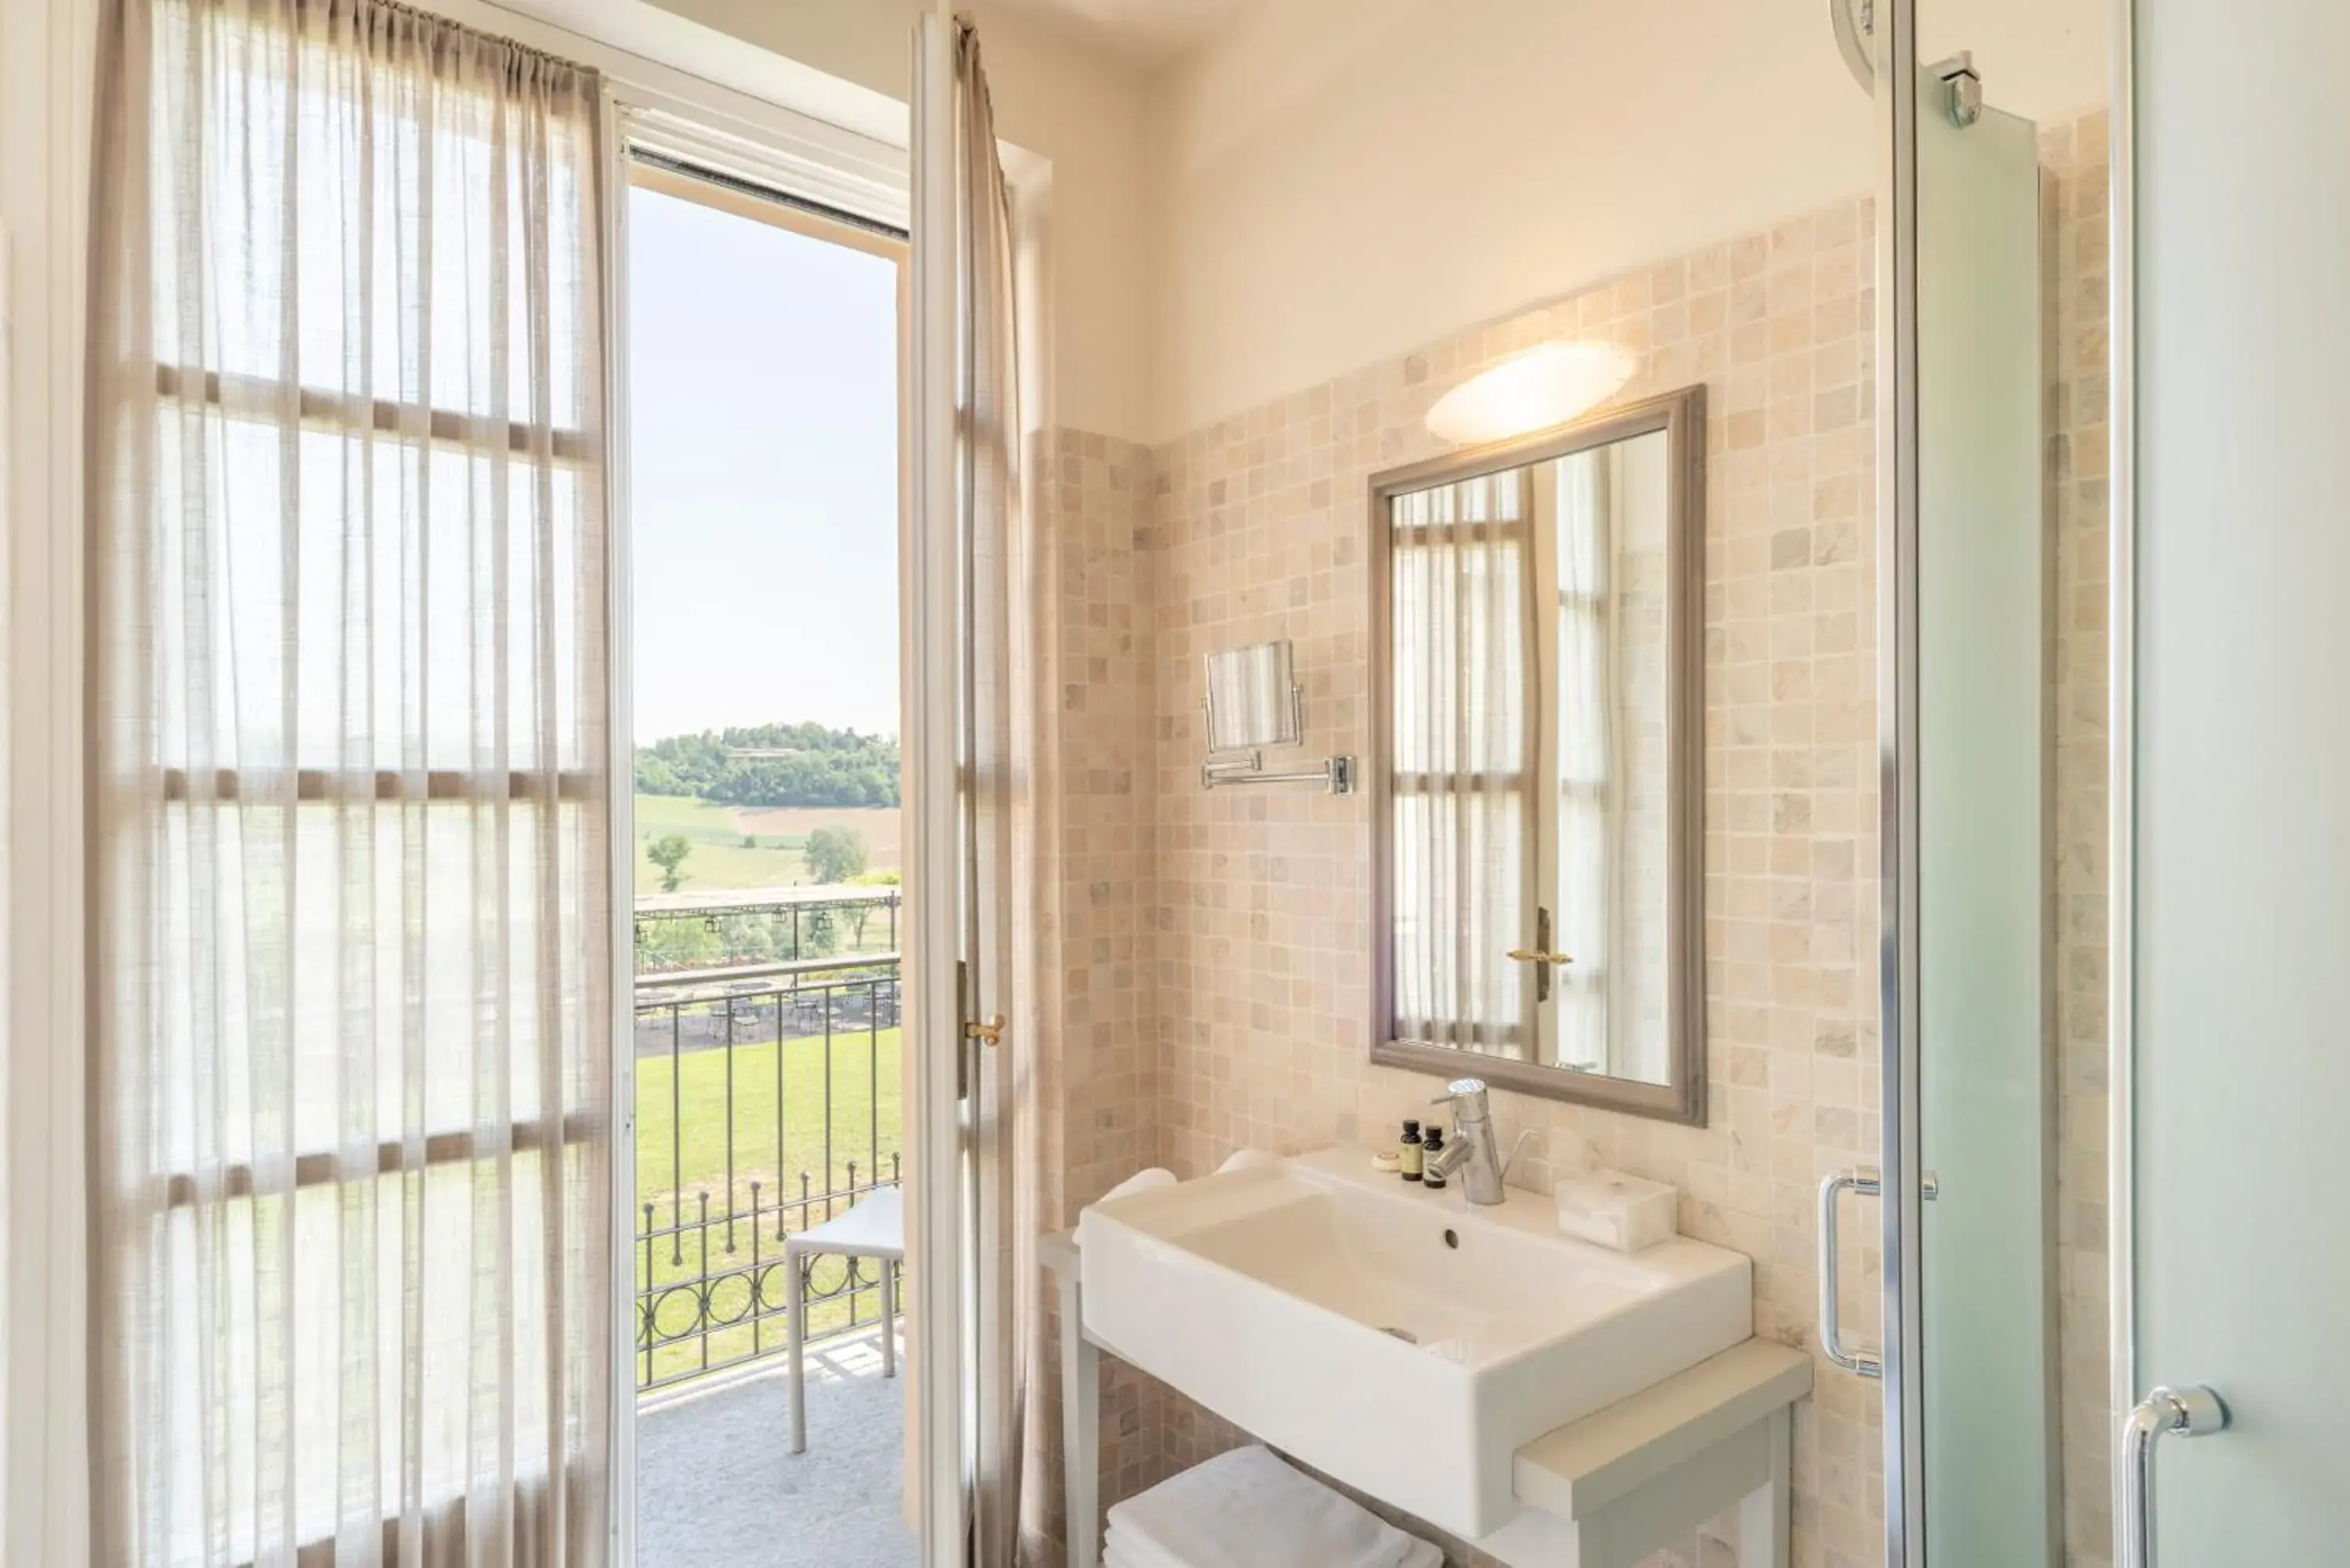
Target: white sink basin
{"x":1397,"y":1339}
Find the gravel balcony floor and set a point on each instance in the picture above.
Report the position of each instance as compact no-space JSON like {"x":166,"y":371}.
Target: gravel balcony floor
{"x":717,"y":1482}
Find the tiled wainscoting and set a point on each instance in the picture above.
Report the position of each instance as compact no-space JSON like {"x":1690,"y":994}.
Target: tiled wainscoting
{"x":1212,"y":949}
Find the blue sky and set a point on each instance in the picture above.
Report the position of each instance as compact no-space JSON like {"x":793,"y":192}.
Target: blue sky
{"x":763,"y":472}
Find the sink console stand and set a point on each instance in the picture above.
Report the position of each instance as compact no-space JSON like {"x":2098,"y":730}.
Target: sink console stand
{"x":1605,"y":1492}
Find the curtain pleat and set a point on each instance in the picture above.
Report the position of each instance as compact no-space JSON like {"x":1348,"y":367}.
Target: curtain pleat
{"x":1590,"y":802}
{"x":1009,"y":1510}
{"x":351,"y":955}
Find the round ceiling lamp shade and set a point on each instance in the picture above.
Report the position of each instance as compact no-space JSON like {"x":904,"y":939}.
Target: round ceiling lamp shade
{"x":1547,"y":385}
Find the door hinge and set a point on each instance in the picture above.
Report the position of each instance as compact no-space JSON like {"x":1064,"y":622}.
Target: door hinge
{"x":1962,"y":86}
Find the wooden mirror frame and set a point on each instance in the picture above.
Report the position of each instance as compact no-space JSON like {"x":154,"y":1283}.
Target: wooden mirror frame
{"x":1681,"y":416}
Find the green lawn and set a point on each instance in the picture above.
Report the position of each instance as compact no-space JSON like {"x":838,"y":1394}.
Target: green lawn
{"x":719,"y":859}
{"x":866,"y":1092}
{"x":740,"y":1119}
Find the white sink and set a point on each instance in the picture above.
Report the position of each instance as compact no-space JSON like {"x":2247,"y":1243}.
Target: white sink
{"x":1395,"y":1338}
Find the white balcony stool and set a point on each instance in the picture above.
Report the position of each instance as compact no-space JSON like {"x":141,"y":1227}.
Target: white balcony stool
{"x":874,"y":1228}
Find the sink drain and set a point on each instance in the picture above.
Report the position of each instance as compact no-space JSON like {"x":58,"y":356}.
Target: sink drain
{"x":1403,"y":1333}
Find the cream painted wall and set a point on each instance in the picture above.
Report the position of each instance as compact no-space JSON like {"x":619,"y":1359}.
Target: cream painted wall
{"x":1083,"y":110}
{"x":1341,"y":180}
{"x":1327,"y":183}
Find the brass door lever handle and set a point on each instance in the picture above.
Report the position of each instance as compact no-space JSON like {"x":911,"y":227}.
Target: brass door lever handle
{"x":1540,"y":956}
{"x":990,"y":1030}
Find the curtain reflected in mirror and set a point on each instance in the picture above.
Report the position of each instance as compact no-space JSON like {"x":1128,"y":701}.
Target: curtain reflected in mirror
{"x":1252,"y":699}
{"x":1602,"y":581}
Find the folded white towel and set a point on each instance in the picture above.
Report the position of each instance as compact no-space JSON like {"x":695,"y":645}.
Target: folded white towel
{"x":1120,"y":1551}
{"x":1246,"y":1509}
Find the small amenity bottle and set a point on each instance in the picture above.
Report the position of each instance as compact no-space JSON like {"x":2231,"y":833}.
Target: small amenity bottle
{"x":1429,"y":1148}
{"x":1408,"y":1156}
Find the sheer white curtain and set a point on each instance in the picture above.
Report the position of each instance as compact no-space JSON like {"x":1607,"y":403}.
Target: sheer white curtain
{"x":352,"y":952}
{"x":1590,"y":782}
{"x":1011,"y":1507}
{"x":1466,"y":684}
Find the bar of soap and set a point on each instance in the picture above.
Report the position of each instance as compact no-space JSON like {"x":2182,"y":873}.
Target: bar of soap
{"x":1609,"y":1208}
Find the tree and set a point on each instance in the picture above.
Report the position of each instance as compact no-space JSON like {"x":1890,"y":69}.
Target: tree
{"x":833,"y":854}
{"x":656,"y":776}
{"x":819,"y":938}
{"x":857,"y":914}
{"x":669,"y":852}
{"x":773,"y":764}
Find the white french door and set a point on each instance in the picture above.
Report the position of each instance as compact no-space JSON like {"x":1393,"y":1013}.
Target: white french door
{"x":948,"y":934}
{"x":957,"y":555}
{"x":938,"y":676}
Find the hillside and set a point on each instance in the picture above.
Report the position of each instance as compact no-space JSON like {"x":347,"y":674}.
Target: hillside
{"x":772,"y":765}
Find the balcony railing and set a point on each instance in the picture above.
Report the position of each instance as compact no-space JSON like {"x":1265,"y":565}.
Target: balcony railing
{"x":700,"y":930}
{"x":768,"y":1101}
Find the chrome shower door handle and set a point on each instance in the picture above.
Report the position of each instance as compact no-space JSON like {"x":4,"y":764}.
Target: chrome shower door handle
{"x":2190,"y":1411}
{"x":1861,"y":1179}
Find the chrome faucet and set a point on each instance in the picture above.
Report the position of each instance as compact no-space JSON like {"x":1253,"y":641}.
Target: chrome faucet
{"x":1472,"y":1151}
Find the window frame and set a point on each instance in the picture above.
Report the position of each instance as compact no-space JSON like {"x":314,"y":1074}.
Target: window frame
{"x":656,"y":150}
{"x":263,"y":401}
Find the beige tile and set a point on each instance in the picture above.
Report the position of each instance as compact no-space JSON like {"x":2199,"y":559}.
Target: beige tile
{"x":1206,"y":955}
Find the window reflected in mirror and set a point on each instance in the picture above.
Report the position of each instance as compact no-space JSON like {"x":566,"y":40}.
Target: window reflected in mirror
{"x":1538,"y":821}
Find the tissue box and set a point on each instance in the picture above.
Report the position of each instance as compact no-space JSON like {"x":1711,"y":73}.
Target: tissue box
{"x":1609,"y":1208}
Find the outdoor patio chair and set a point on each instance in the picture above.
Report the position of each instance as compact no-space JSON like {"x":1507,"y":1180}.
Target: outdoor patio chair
{"x":874,"y":1228}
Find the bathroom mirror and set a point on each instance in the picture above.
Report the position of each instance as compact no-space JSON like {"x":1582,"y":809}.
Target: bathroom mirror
{"x":1252,"y":699}
{"x":1536,"y":749}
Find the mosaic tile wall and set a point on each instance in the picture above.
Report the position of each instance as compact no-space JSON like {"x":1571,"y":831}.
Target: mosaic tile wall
{"x":1213,"y":945}
{"x":1262,"y":981}
{"x":1098,"y":572}
{"x":1093,"y":881}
